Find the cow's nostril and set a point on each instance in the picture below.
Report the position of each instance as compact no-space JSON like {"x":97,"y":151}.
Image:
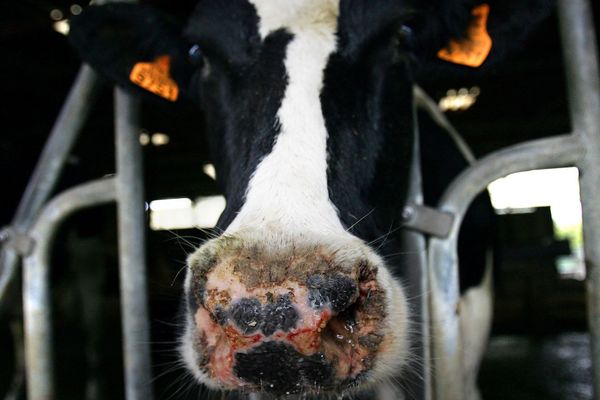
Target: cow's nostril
{"x":337,"y":291}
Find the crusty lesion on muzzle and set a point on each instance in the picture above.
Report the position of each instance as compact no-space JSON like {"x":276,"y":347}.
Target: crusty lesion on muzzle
{"x":321,"y":306}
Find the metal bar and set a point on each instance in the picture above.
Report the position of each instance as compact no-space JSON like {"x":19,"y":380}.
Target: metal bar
{"x":416,"y":380}
{"x":417,"y":245}
{"x":445,"y":295}
{"x":583,"y":79}
{"x":426,"y":103}
{"x":66,"y":128}
{"x":132,"y":254}
{"x":36,"y":282}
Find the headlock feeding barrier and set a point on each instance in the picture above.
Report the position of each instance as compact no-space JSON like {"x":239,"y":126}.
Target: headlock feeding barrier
{"x":28,"y":240}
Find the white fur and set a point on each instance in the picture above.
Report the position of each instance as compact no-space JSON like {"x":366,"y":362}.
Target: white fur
{"x":289,"y":187}
{"x":393,"y":354}
{"x":295,"y":15}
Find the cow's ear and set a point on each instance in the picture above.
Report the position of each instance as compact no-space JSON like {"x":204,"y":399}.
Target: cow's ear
{"x":473,"y":34}
{"x":136,"y":47}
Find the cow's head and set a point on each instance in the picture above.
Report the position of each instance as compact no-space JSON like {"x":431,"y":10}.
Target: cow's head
{"x":309,"y":112}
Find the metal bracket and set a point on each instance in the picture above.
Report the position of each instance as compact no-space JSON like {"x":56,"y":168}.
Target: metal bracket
{"x":22,"y":244}
{"x":428,"y":220}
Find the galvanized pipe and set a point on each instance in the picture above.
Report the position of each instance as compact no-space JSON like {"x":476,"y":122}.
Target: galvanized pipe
{"x":66,"y":128}
{"x":445,"y":295}
{"x":415,"y":381}
{"x":36,"y":281}
{"x":583,"y":81}
{"x":132,"y":252}
{"x":416,"y":242}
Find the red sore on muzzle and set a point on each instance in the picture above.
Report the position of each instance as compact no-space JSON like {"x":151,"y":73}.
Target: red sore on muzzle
{"x":284,"y":323}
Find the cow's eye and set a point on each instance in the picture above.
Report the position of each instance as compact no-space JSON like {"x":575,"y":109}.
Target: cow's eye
{"x":195,"y":55}
{"x":406,"y":37}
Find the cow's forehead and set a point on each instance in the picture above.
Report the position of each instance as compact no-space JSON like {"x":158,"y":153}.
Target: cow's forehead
{"x":238,"y":19}
{"x":295,"y":14}
{"x":237,"y":26}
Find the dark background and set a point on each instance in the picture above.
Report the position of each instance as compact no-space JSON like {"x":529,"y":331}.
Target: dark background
{"x":521,"y":99}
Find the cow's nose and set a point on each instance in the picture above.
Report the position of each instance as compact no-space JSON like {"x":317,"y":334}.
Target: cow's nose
{"x":276,"y":312}
{"x":283,"y":335}
{"x":297,"y":330}
{"x":303,"y":320}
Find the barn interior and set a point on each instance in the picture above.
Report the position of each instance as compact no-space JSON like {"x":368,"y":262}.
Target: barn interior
{"x":539,"y":347}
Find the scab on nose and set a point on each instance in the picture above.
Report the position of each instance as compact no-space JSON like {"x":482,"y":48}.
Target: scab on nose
{"x":337,"y":291}
{"x":249,"y":315}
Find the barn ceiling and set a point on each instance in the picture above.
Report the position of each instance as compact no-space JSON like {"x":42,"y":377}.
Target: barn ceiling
{"x":521,"y":99}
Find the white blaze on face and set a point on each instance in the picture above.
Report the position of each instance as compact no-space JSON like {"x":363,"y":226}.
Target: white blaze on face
{"x":288,"y":190}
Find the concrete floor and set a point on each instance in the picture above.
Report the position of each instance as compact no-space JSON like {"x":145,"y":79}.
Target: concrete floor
{"x":554,"y":367}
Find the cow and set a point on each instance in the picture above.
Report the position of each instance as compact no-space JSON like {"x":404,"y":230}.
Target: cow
{"x":309,"y":113}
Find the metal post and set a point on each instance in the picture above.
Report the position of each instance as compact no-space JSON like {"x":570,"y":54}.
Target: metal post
{"x":36,"y":282}
{"x":583,"y":75}
{"x":446,"y":336}
{"x":72,"y":116}
{"x":132,"y":255}
{"x":415,"y":380}
{"x":415,"y":241}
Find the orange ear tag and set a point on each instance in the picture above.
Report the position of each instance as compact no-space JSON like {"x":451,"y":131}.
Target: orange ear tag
{"x":474,"y":49}
{"x":154,"y":77}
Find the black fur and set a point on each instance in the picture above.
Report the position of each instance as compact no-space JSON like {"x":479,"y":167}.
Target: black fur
{"x":240,"y":111}
{"x":368,"y":112}
{"x":226,"y":31}
{"x":114,"y":37}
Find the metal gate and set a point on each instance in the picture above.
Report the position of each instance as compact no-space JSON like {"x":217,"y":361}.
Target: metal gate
{"x":32,"y":230}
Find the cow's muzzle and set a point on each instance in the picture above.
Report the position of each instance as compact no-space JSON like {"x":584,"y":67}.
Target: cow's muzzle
{"x":306,"y":319}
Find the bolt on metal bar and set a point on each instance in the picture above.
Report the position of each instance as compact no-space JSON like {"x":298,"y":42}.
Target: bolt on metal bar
{"x":65,"y":131}
{"x":132,"y":253}
{"x":445,"y":294}
{"x":583,"y":82}
{"x":36,"y":281}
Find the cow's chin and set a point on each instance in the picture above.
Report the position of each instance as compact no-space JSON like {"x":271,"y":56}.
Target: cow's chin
{"x":336,"y":321}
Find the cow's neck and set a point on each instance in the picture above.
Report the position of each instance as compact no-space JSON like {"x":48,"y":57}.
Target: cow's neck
{"x":288,"y":190}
